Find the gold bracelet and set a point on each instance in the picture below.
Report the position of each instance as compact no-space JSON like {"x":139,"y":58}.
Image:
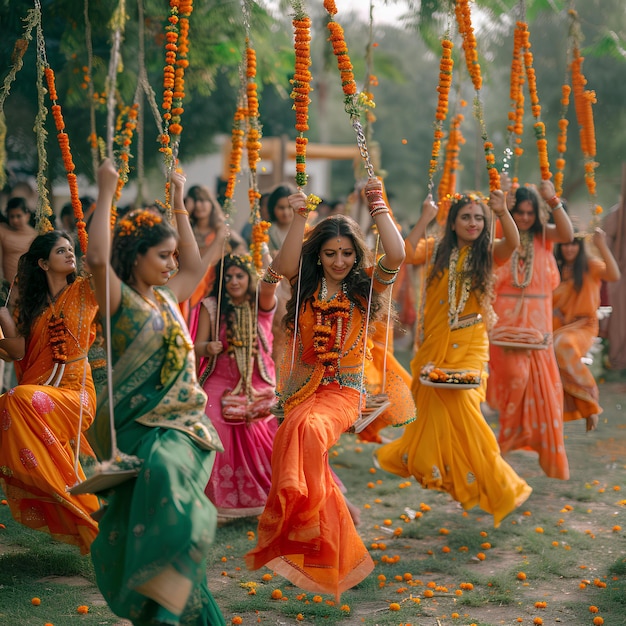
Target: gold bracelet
{"x":384,"y":269}
{"x":181,"y":212}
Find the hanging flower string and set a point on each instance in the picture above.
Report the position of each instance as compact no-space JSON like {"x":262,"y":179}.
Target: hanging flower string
{"x":66,"y":155}
{"x":446,"y":65}
{"x":447,"y":184}
{"x":253,"y":140}
{"x":236,"y":151}
{"x":583,"y":103}
{"x":515,"y":127}
{"x":185,"y":7}
{"x":125,"y":127}
{"x":353,"y":102}
{"x":464,"y":21}
{"x":561,"y":141}
{"x":539,"y":126}
{"x":301,"y":86}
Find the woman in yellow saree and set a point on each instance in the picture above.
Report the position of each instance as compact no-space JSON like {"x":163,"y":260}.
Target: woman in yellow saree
{"x":450,"y":447}
{"x":42,"y":418}
{"x":575,"y":302}
{"x":150,"y":555}
{"x":306,"y":532}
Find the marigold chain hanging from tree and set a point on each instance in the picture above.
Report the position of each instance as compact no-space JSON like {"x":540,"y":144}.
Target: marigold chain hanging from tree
{"x":466,"y":30}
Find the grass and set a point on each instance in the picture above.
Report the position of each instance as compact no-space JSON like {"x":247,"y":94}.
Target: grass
{"x":565,"y":539}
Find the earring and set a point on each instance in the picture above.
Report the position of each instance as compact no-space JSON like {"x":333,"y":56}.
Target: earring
{"x":356,"y":261}
{"x":319,"y":261}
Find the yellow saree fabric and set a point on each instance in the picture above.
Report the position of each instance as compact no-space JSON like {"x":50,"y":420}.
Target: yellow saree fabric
{"x":450,"y":447}
{"x":39,"y":426}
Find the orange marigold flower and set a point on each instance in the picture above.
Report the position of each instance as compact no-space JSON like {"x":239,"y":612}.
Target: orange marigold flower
{"x":521,"y":576}
{"x":317,"y":599}
{"x":538,"y":621}
{"x":35,"y":601}
{"x":237,"y":620}
{"x":277,"y":594}
{"x":598,"y":621}
{"x":83,"y":609}
{"x":394,"y":606}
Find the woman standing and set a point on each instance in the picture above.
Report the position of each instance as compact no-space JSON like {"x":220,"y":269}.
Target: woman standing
{"x":576,"y":301}
{"x":239,"y":381}
{"x":44,"y":416}
{"x":450,"y":447}
{"x":306,"y":533}
{"x":150,"y":555}
{"x":525,"y":385}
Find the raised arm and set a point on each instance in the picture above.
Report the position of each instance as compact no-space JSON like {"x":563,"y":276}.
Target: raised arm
{"x":390,"y":236}
{"x":612,"y":272}
{"x":287,"y":260}
{"x":562,"y":230}
{"x":267,"y":287}
{"x":504,"y":247}
{"x":99,"y":248}
{"x":191,"y":265}
{"x":429,"y":212}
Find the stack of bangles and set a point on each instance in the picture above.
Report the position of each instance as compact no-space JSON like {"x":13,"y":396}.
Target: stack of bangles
{"x":555,"y":203}
{"x":271,"y":276}
{"x":394,"y":273}
{"x":376,"y":203}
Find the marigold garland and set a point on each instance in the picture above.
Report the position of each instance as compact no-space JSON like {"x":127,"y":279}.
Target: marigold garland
{"x":301,"y":86}
{"x":539,"y":127}
{"x":259,"y":236}
{"x":66,"y":155}
{"x":464,"y":21}
{"x":125,"y":127}
{"x":236,"y":152}
{"x":446,"y":65}
{"x":253,"y":140}
{"x":561,"y":141}
{"x":447,"y":184}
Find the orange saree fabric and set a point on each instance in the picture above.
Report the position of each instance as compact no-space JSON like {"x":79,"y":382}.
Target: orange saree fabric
{"x":39,"y":426}
{"x":575,"y":328}
{"x":525,"y":385}
{"x":306,"y":533}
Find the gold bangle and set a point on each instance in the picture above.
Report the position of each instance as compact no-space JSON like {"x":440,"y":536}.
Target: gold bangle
{"x":181,"y":212}
{"x":384,"y":269}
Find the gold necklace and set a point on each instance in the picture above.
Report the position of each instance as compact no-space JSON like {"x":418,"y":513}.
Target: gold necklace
{"x":524,"y":254}
{"x":456,"y":308}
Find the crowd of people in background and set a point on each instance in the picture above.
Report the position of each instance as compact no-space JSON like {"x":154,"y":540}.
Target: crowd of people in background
{"x":229,"y":387}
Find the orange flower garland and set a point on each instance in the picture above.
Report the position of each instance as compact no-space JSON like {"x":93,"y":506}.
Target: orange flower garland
{"x":301,"y":83}
{"x":464,"y":21}
{"x":447,"y":184}
{"x":253,"y":141}
{"x":259,"y":236}
{"x":236,"y":151}
{"x":539,"y":127}
{"x":123,"y":139}
{"x":445,"y":82}
{"x":340,"y":50}
{"x":561,"y":142}
{"x":66,"y":155}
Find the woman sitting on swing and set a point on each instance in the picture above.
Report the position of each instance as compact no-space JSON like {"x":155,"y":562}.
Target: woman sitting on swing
{"x":54,"y":401}
{"x":150,"y":555}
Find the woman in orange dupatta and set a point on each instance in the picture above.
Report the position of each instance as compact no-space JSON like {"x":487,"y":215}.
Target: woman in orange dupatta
{"x":576,"y":301}
{"x":42,"y":418}
{"x":306,"y":532}
{"x":524,"y":384}
{"x":450,"y":447}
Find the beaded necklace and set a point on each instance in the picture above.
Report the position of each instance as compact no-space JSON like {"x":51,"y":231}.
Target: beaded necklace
{"x":523,"y":256}
{"x":456,"y":308}
{"x":330,"y":329}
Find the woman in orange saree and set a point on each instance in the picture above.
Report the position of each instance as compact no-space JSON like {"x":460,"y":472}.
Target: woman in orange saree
{"x":450,"y":447}
{"x":576,"y":301}
{"x":42,"y":418}
{"x":524,"y":383}
{"x":306,"y":532}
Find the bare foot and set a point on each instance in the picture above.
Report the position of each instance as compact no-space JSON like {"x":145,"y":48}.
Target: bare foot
{"x":592,"y":422}
{"x":355,"y":512}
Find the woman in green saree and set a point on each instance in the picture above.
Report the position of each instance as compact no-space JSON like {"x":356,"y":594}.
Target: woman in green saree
{"x":155,"y":530}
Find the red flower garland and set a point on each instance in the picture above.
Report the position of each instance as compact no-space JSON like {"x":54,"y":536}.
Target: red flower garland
{"x":66,"y":154}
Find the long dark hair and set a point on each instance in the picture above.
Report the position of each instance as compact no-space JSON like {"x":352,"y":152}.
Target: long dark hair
{"x":581,"y":263}
{"x":201,"y":192}
{"x":528,"y":193}
{"x":32,"y":284}
{"x":480,"y":262}
{"x":357,"y":282}
{"x":136,"y":233}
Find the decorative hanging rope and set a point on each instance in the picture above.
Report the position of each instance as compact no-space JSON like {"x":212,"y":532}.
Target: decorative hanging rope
{"x":464,"y":21}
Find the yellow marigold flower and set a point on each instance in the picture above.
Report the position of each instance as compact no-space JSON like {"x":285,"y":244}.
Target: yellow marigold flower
{"x":539,"y":529}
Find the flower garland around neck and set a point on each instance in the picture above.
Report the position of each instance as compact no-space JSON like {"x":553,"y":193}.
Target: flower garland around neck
{"x":330,"y":328}
{"x":64,"y":144}
{"x":459,"y":286}
{"x":58,"y":338}
{"x":523,"y":254}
